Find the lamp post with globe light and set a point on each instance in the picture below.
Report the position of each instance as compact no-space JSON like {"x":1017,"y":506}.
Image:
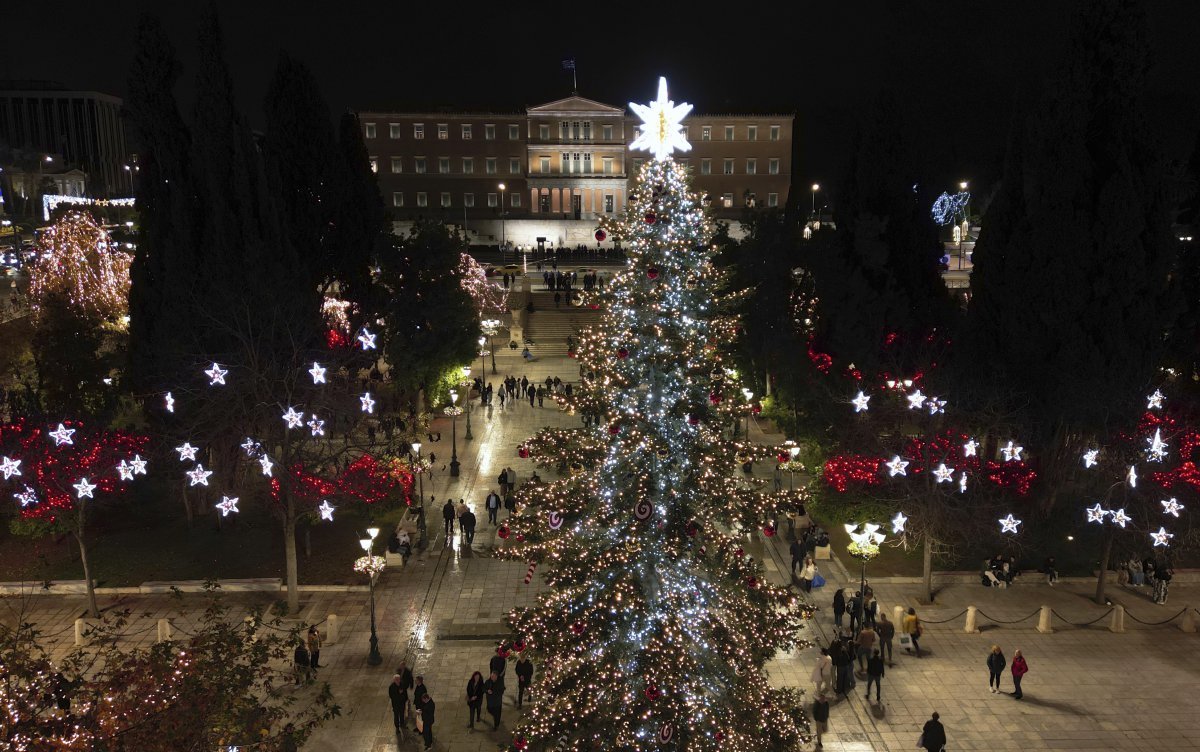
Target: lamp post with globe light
{"x":503,"y":236}
{"x":371,"y":566}
{"x":466,"y":386}
{"x":453,"y":410}
{"x":865,"y":540}
{"x":483,"y":353}
{"x":792,"y":449}
{"x":490,"y":327}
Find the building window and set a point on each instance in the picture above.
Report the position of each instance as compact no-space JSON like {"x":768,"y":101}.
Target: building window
{"x":772,"y":199}
{"x":489,"y":165}
{"x":565,"y":161}
{"x":369,"y":130}
{"x":422,"y":199}
{"x":608,"y":203}
{"x":729,"y":133}
{"x":514,"y":132}
{"x":418,"y":131}
{"x":444,"y":165}
{"x":727,"y":200}
{"x":489,"y":132}
{"x":751,"y":132}
{"x":544,"y":165}
{"x":516,"y":198}
{"x":607,"y":163}
{"x":514,"y":165}
{"x":773,"y":166}
{"x":468,"y":165}
{"x":684,"y":129}
{"x":419,"y":165}
{"x":606,"y":132}
{"x":393,"y":130}
{"x":469,"y":200}
{"x":443,"y":131}
{"x":466,"y":131}
{"x":728,"y":166}
{"x":587,"y":164}
{"x":492,"y":200}
{"x":544,"y":131}
{"x":397,"y":198}
{"x":751,"y":167}
{"x":774,"y":133}
{"x":587,"y":131}
{"x":705,"y":166}
{"x":397,"y":165}
{"x":706,"y":133}
{"x":445,"y":200}
{"x":374,"y":164}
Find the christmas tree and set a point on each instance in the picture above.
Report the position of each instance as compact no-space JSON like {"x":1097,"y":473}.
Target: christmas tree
{"x":656,"y":624}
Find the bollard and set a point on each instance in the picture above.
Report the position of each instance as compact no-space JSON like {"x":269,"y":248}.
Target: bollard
{"x":1044,"y":621}
{"x":79,"y":627}
{"x":1189,"y":621}
{"x":331,"y":629}
{"x":970,"y":627}
{"x":164,"y":630}
{"x":1118,"y":620}
{"x":898,"y":616}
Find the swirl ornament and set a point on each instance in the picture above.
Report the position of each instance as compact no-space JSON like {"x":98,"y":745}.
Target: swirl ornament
{"x":643,"y":510}
{"x":556,"y":520}
{"x":667,"y":732}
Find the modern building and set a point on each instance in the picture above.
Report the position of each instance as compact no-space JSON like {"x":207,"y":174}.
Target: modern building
{"x":553,"y":170}
{"x":82,"y":128}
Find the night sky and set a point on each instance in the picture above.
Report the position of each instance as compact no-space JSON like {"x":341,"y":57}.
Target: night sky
{"x":957,"y":67}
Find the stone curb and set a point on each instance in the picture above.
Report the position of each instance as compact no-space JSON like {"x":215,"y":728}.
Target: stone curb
{"x":77,"y":587}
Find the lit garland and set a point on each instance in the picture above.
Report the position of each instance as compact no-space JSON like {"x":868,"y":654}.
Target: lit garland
{"x":79,"y":262}
{"x":487,"y":296}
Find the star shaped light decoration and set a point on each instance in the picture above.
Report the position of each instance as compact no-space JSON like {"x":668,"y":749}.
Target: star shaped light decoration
{"x":318,"y":373}
{"x":898,"y":522}
{"x":915,"y":400}
{"x":125,"y":470}
{"x":368,"y":403}
{"x":962,"y":482}
{"x":249,"y":446}
{"x":661,"y":131}
{"x":265,"y":461}
{"x":896,"y":467}
{"x":1157,"y":448}
{"x":971,"y":448}
{"x":293,"y":418}
{"x":187,"y":452}
{"x":367,"y":339}
{"x":10,"y":467}
{"x":326,"y":510}
{"x":935,"y":405}
{"x":943,"y":474}
{"x":1155,"y":401}
{"x":83,"y":489}
{"x":227,"y":504}
{"x":860,"y":402}
{"x":138,"y":465}
{"x":169,"y":399}
{"x":1120,"y":518}
{"x":1162,"y":537}
{"x":1096,"y":513}
{"x":1171,"y":506}
{"x":1090,"y":457}
{"x":1131,"y":477}
{"x":216,"y":375}
{"x":1012,"y":452}
{"x":1009,"y":524}
{"x":26,"y":497}
{"x":62,"y":435}
{"x":198,"y":476}
{"x":316,"y":425}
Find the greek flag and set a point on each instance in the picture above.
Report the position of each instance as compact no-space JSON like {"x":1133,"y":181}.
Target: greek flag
{"x":569,"y":64}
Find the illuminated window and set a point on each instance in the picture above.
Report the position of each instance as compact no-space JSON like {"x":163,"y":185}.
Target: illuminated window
{"x":772,"y":199}
{"x":727,"y":200}
{"x":419,"y":165}
{"x":393,"y":130}
{"x":466,"y":131}
{"x":443,"y":131}
{"x":468,"y":165}
{"x":469,"y":200}
{"x":773,"y":166}
{"x":728,"y":166}
{"x":706,"y":133}
{"x":751,"y":167}
{"x":374,"y":164}
{"x":418,"y":130}
{"x":751,"y":132}
{"x":489,"y":132}
{"x":397,"y":165}
{"x":397,"y":199}
{"x":774,"y":133}
{"x":608,"y":204}
{"x":445,"y":200}
{"x":444,"y":165}
{"x":422,"y":199}
{"x":369,"y":130}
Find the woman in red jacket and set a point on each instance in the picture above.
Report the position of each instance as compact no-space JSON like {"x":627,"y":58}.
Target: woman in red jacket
{"x":1019,"y":669}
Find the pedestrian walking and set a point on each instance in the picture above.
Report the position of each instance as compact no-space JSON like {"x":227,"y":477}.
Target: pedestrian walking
{"x":399,"y":699}
{"x":870,"y":608}
{"x":995,"y":663}
{"x":933,"y":735}
{"x":1162,"y":581}
{"x":466,"y":524}
{"x":493,"y":689}
{"x":301,"y":663}
{"x":314,"y":647}
{"x":822,"y":675}
{"x":820,"y":716}
{"x":808,"y":575}
{"x":448,"y":517}
{"x":797,"y":552}
{"x":474,"y":699}
{"x":498,"y":664}
{"x":425,"y":720}
{"x":865,"y":643}
{"x":912,"y":628}
{"x":1019,"y":669}
{"x":839,"y":607}
{"x":1050,"y":567}
{"x":841,"y":651}
{"x":492,"y":504}
{"x":502,"y":480}
{"x":854,"y":609}
{"x":524,"y":672}
{"x":874,"y":673}
{"x":886,"y":631}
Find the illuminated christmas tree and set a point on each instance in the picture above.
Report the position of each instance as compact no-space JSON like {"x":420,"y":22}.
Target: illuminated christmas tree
{"x":656,"y":625}
{"x":82,"y":265}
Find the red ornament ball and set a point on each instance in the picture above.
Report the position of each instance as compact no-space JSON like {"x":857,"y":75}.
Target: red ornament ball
{"x":614,"y":429}
{"x":769,"y":531}
{"x":623,"y":353}
{"x":503,"y":532}
{"x":715,"y":398}
{"x":650,"y":218}
{"x":693,"y":420}
{"x":739,"y":552}
{"x":502,"y":651}
{"x":577,"y":627}
{"x":594,"y":306}
{"x":570,"y":353}
{"x":652,"y":693}
{"x":751,"y":582}
{"x":652,"y":272}
{"x":756,"y":409}
{"x":523,"y":452}
{"x":782,"y":457}
{"x":520,"y":538}
{"x":692,"y":529}
{"x":601,"y":235}
{"x":719,"y":736}
{"x":519,"y":646}
{"x":520,"y":743}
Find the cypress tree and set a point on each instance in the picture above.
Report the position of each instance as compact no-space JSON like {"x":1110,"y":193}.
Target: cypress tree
{"x":359,"y":234}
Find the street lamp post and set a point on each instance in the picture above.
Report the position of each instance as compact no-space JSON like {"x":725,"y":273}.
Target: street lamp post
{"x":865,"y":540}
{"x":453,"y":410}
{"x":815,"y":187}
{"x":489,"y":328}
{"x":749,"y":398}
{"x":371,"y":566}
{"x":503,"y":236}
{"x":466,"y":386}
{"x":793,"y":450}
{"x":962,"y":186}
{"x":416,"y":445}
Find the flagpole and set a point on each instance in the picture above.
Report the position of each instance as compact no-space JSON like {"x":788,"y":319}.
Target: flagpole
{"x":574,"y":80}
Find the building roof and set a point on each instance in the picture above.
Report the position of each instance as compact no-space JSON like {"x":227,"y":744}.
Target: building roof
{"x":574,"y":105}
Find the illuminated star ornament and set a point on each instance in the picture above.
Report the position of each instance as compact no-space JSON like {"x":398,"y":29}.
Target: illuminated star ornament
{"x":249,"y":446}
{"x":326,"y":510}
{"x":1158,"y":448}
{"x":367,"y":339}
{"x":138,"y":465}
{"x":661,"y":131}
{"x":1120,"y":518}
{"x":62,"y":435}
{"x":318,"y":373}
{"x":962,"y":482}
{"x":1155,"y":401}
{"x":898,"y":522}
{"x":860,"y":402}
{"x":216,"y":375}
{"x":916,"y":400}
{"x":1131,"y":478}
{"x":1096,"y":513}
{"x":1171,"y":506}
{"x":943,"y":474}
{"x":10,"y":467}
{"x":1012,"y":452}
{"x":1089,"y":457}
{"x":125,"y":470}
{"x":1009,"y":524}
{"x":935,"y":405}
{"x":84,"y":489}
{"x":198,"y":475}
{"x":971,"y":448}
{"x":186,"y":452}
{"x":26,"y":497}
{"x":170,"y":402}
{"x":317,"y":426}
{"x":368,"y":403}
{"x":896,"y":467}
{"x":265,"y":461}
{"x":293,"y":418}
{"x":227,"y":504}
{"x":1162,"y":537}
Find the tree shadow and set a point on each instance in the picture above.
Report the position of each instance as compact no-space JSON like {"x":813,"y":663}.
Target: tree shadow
{"x":1062,"y":707}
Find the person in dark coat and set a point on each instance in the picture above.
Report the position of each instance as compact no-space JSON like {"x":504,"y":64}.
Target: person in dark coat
{"x":498,"y":664}
{"x":301,"y":663}
{"x":797,"y":552}
{"x":820,"y":716}
{"x":427,"y":716}
{"x":466,"y":524}
{"x":474,"y":699}
{"x":493,"y":690}
{"x":854,"y":608}
{"x":448,"y":516}
{"x":399,"y":699}
{"x":492,"y":504}
{"x":995,"y":664}
{"x":839,"y":607}
{"x":524,"y":671}
{"x":874,"y":673}
{"x":933,"y":735}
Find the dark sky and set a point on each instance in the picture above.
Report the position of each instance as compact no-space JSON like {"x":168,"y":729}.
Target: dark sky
{"x":957,"y":67}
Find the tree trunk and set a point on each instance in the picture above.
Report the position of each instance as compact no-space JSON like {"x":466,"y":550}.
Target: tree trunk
{"x":93,"y":609}
{"x":308,"y":541}
{"x":289,"y":548}
{"x":1102,"y":578}
{"x":927,"y":567}
{"x":187,"y":504}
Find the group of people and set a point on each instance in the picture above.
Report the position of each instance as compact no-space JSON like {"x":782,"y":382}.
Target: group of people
{"x":513,"y":389}
{"x":1000,"y":571}
{"x":424,"y":709}
{"x":1142,"y":572}
{"x":306,"y":658}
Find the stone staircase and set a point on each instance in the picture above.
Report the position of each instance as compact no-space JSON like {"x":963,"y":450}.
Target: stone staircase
{"x":549,"y":327}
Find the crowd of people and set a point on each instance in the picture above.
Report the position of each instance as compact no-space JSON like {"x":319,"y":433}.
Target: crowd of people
{"x":513,"y":389}
{"x":1147,"y":572}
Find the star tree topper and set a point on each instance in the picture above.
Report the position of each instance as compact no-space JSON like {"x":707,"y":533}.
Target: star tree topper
{"x":661,"y":131}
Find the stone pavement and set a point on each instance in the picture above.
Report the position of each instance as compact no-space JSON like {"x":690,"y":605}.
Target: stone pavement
{"x":1087,"y":689}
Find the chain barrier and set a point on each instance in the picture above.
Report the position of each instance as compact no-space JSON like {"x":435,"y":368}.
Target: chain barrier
{"x":1156,"y":623}
{"x":1015,"y":621}
{"x":1082,"y":624}
{"x":943,"y":621}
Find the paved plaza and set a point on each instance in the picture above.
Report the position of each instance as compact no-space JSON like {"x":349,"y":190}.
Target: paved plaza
{"x":1088,"y":688}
